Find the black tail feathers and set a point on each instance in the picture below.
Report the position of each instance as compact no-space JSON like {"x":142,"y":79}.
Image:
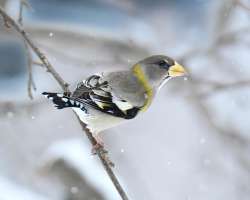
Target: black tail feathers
{"x":62,"y":101}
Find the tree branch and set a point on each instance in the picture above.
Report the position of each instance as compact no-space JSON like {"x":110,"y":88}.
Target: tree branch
{"x":101,"y":152}
{"x":242,"y":5}
{"x":31,"y":83}
{"x":23,"y":3}
{"x":64,"y":85}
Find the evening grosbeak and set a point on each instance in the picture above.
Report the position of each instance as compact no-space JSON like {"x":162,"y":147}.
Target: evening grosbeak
{"x":106,"y":100}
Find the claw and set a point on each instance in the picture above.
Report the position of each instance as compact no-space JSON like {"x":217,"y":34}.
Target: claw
{"x":67,"y":94}
{"x":96,"y":147}
{"x":99,"y":146}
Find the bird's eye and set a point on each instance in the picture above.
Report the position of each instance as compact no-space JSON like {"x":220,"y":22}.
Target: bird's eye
{"x":163,"y":64}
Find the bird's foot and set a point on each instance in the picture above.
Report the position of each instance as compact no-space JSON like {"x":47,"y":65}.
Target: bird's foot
{"x":67,"y":94}
{"x":98,"y":146}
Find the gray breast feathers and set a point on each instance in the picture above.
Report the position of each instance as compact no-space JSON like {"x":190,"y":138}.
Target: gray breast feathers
{"x":126,"y":86}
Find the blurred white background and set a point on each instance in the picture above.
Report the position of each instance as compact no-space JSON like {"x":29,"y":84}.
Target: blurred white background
{"x":192,"y":144}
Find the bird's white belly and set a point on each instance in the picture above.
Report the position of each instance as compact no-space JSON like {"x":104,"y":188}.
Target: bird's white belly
{"x":97,"y":121}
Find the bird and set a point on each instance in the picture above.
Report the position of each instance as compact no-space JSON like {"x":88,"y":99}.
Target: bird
{"x":105,"y":100}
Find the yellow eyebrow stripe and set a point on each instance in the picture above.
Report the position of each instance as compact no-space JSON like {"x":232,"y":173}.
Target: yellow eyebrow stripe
{"x":138,"y":72}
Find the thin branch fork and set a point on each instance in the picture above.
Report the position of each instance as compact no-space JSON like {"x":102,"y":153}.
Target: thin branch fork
{"x":31,"y":84}
{"x":242,"y":5}
{"x":7,"y":19}
{"x":23,"y":3}
{"x":101,"y":152}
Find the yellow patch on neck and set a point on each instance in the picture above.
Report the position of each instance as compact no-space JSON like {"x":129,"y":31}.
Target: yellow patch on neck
{"x":138,"y":72}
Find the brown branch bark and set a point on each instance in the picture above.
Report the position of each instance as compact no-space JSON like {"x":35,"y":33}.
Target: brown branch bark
{"x":242,"y":5}
{"x":37,"y":51}
{"x":101,"y":152}
{"x":31,"y":83}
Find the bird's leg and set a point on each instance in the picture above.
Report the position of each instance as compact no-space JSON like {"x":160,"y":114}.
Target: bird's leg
{"x":67,"y":94}
{"x":99,"y":144}
{"x":99,"y":140}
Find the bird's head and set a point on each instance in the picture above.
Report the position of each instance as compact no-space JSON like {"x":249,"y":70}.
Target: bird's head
{"x":158,"y":69}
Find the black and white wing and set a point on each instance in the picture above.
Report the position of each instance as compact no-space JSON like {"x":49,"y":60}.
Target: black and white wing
{"x":98,"y":94}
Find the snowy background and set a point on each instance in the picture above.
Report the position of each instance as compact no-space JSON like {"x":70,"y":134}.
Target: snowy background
{"x":192,"y":144}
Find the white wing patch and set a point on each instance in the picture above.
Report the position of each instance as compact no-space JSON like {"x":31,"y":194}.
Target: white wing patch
{"x":99,"y":104}
{"x":122,"y":105}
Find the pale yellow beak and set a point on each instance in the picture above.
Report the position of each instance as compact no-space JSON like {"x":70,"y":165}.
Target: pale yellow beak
{"x":177,"y":70}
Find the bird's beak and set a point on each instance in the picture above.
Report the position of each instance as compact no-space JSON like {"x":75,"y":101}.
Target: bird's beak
{"x":176,"y":70}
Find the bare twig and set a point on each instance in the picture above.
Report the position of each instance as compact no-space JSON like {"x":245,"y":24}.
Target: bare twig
{"x":20,"y":17}
{"x":31,"y":83}
{"x":38,"y":63}
{"x":23,"y":3}
{"x":102,"y":154}
{"x":38,"y":52}
{"x":6,"y":22}
{"x":242,"y":5}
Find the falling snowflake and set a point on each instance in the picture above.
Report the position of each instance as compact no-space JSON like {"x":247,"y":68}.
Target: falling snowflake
{"x":10,"y":114}
{"x":74,"y":190}
{"x":202,"y":141}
